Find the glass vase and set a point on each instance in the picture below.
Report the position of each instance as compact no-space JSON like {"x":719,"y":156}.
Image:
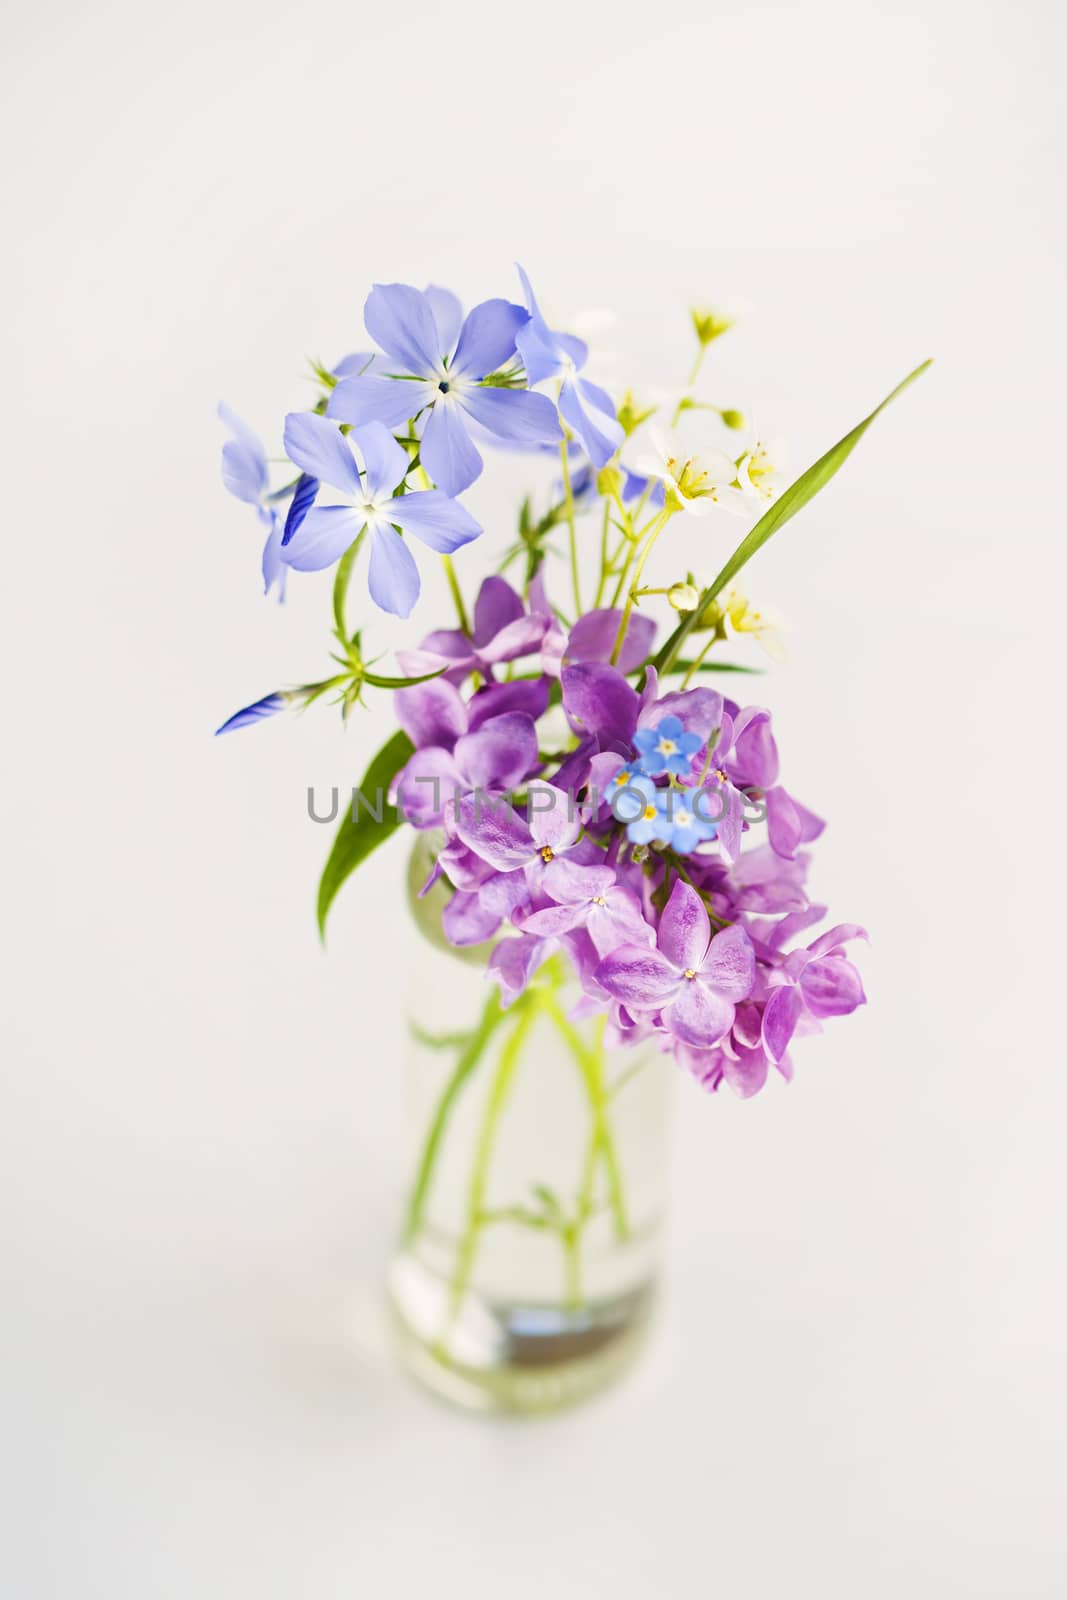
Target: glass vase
{"x":529,"y":1247}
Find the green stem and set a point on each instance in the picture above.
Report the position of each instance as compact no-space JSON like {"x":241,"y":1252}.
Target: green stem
{"x":698,"y":362}
{"x":476,"y":1210}
{"x":591,"y":1062}
{"x":457,"y":595}
{"x":491,"y":1018}
{"x":695,"y":666}
{"x":569,"y":499}
{"x":656,"y":527}
{"x":603,"y":554}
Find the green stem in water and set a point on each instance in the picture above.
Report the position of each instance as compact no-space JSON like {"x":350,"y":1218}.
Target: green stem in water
{"x":491,"y":1018}
{"x":590,"y":1060}
{"x":568,"y":494}
{"x":476,"y":1209}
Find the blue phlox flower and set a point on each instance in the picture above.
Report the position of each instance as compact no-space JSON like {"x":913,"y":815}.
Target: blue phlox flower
{"x":434,"y":367}
{"x":258,"y":711}
{"x":365,"y":497}
{"x":586,"y":408}
{"x":245,"y":475}
{"x":667,"y":747}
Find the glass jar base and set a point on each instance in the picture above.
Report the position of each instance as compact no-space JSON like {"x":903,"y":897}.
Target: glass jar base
{"x":522,"y":1359}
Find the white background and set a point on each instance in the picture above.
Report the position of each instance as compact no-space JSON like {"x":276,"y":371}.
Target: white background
{"x":856,"y":1386}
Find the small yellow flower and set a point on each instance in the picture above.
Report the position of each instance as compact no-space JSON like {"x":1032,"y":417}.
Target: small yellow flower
{"x":683,"y":596}
{"x":709,"y":324}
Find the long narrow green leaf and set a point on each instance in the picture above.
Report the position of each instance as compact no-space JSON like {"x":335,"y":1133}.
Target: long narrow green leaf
{"x":361,"y":831}
{"x":787,"y":505}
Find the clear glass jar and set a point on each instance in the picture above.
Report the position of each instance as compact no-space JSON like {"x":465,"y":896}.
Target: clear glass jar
{"x":531,"y":1230}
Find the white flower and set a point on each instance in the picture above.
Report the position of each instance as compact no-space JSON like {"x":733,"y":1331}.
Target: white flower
{"x":695,"y":483}
{"x":759,"y":468}
{"x":764,"y":626}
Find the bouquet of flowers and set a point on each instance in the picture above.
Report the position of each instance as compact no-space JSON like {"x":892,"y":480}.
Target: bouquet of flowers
{"x":587,"y":794}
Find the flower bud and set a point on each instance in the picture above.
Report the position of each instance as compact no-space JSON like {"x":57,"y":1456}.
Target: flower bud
{"x":609,"y":481}
{"x":683,"y":596}
{"x":733,"y":419}
{"x":709,"y":324}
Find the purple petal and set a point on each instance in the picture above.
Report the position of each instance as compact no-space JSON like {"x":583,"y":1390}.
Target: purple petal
{"x":598,"y":432}
{"x":430,"y":782}
{"x":501,"y":754}
{"x":431,"y":713}
{"x":730,"y":965}
{"x":385,"y":462}
{"x":780,"y":1019}
{"x":619,"y":921}
{"x":834,"y":937}
{"x":303,"y":499}
{"x":698,"y":1014}
{"x":244,"y":460}
{"x":373,"y":399}
{"x":393,"y":578}
{"x":466,"y":921}
{"x":747,"y":1075}
{"x":401,"y":320}
{"x":497,"y":605}
{"x":446,"y":451}
{"x":831,"y":987}
{"x":520,"y":638}
{"x":598,"y":700}
{"x":553,"y":921}
{"x":514,"y":415}
{"x":783,"y":823}
{"x":513,"y":963}
{"x":440,"y":522}
{"x":522,"y":694}
{"x":698,"y":710}
{"x":487,"y":338}
{"x":569,"y":884}
{"x":272,"y":563}
{"x":319,"y":448}
{"x":684,"y":928}
{"x":447,"y":315}
{"x":494,"y":832}
{"x":641,"y":978}
{"x":554,"y":819}
{"x":322,"y":538}
{"x":593,"y":638}
{"x":754,"y":759}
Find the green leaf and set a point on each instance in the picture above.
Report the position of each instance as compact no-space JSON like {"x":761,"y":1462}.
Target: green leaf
{"x":787,"y":505}
{"x":718,"y":666}
{"x":400,"y":683}
{"x":361,"y":833}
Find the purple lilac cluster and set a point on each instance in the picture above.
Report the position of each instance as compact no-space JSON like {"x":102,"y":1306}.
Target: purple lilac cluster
{"x":624,"y":850}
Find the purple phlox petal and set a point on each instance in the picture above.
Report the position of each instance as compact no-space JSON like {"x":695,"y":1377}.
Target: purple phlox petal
{"x":641,"y":978}
{"x":303,"y":499}
{"x":521,"y":694}
{"x":699,"y":711}
{"x":754,"y":757}
{"x":517,"y":416}
{"x":447,"y":452}
{"x":272,"y":564}
{"x":514,"y":962}
{"x":698,"y":1013}
{"x":494,"y":831}
{"x":440,"y":522}
{"x":431,"y":713}
{"x":780,"y":1018}
{"x":497,"y":604}
{"x":555,"y":822}
{"x":593,"y":639}
{"x":322,"y":538}
{"x":356,"y":364}
{"x":466,"y":921}
{"x":830,"y":942}
{"x":684,"y":929}
{"x":789,"y":824}
{"x":500,"y":754}
{"x":373,"y":398}
{"x":385,"y":463}
{"x":730,"y":965}
{"x":447,"y":315}
{"x":831,"y":986}
{"x":427,"y":785}
{"x":574,"y":769}
{"x":598,"y":700}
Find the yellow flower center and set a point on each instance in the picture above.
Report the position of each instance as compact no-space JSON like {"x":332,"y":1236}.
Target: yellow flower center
{"x":650,"y":812}
{"x":547,"y":854}
{"x":598,"y":900}
{"x":666,"y":747}
{"x":689,"y":973}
